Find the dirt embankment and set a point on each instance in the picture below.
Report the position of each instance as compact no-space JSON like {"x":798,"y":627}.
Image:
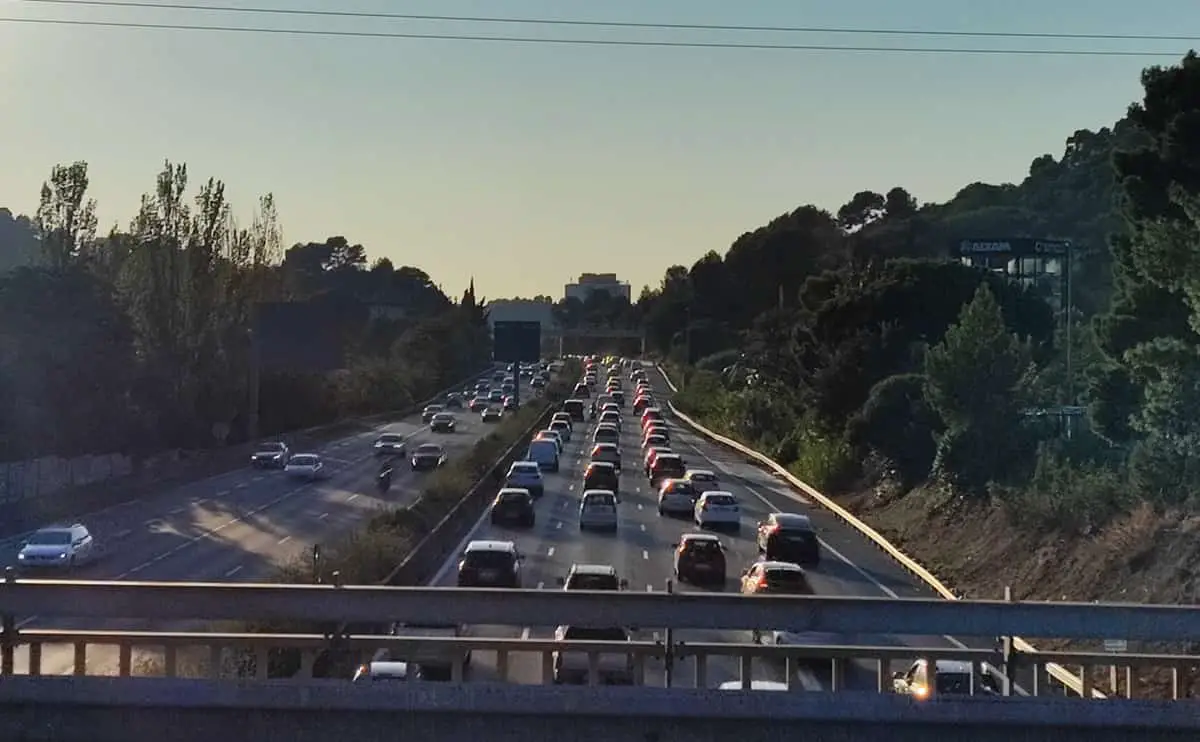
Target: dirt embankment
{"x":1142,"y":557}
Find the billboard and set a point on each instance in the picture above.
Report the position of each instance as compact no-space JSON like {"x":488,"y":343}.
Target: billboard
{"x":516,"y":342}
{"x":1017,"y":247}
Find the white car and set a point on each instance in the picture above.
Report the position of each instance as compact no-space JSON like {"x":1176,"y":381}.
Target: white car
{"x":598,"y":510}
{"x":305,"y":466}
{"x":718,"y":508}
{"x":57,"y":547}
{"x":703,"y":480}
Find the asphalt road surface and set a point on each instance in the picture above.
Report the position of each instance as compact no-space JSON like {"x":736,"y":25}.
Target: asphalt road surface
{"x":237,"y":526}
{"x":641,"y":551}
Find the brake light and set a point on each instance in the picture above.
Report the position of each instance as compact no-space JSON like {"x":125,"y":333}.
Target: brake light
{"x":772,"y":529}
{"x":762,"y":583}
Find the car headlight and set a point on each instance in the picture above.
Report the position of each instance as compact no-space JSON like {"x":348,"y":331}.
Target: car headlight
{"x":62,"y":556}
{"x":21,"y":555}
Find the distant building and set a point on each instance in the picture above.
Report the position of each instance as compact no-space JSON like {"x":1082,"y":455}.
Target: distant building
{"x":590,"y":283}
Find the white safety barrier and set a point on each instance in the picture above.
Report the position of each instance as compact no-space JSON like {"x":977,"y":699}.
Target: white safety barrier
{"x":1056,"y":671}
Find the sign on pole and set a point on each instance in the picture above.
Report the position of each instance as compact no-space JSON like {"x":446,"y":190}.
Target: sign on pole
{"x":516,"y":342}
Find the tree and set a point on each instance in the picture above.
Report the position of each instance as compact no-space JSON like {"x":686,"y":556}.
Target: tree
{"x":66,"y":218}
{"x":864,"y":208}
{"x":974,"y":381}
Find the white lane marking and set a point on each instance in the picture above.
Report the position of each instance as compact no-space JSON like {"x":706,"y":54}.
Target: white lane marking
{"x":223,"y":493}
{"x":123,"y":534}
{"x":241,"y":486}
{"x":649,"y":588}
{"x":283,"y":540}
{"x":352,"y":498}
{"x":645,"y":555}
{"x":525,"y":633}
{"x":642,"y":525}
{"x":641,"y":507}
{"x":322,"y":516}
{"x":233,"y":571}
{"x":558,"y":524}
{"x":541,"y":585}
{"x":550,"y":552}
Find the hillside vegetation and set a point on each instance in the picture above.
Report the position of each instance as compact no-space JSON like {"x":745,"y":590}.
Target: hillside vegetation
{"x":850,"y":348}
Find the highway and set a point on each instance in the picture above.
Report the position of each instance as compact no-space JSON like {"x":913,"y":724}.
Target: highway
{"x":641,"y":551}
{"x":239,"y":526}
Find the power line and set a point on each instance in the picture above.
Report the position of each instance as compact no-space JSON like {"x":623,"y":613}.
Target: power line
{"x":587,"y":42}
{"x":613,"y":24}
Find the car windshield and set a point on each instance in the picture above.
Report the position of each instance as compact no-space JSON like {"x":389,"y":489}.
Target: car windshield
{"x":443,"y":417}
{"x":429,"y":449}
{"x":434,"y":408}
{"x":390,"y":438}
{"x":525,"y":468}
{"x":271,"y":447}
{"x":50,"y":538}
{"x":513,"y":498}
{"x":593,"y":582}
{"x":788,"y":580}
{"x":304,"y":460}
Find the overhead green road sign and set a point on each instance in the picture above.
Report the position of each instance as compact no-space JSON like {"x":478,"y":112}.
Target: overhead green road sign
{"x":516,"y":342}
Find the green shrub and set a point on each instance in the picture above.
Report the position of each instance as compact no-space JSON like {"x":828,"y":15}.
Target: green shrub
{"x":1065,"y":496}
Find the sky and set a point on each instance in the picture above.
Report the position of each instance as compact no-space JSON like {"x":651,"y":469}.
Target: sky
{"x":524,"y":165}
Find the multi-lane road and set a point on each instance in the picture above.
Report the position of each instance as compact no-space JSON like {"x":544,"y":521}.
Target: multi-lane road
{"x":641,"y":552}
{"x":239,"y":526}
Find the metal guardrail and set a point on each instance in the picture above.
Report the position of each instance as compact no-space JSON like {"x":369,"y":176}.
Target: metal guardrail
{"x":1063,"y":675}
{"x":189,"y":601}
{"x":834,"y":662}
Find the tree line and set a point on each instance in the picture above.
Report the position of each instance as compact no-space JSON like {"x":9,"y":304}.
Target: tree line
{"x":139,"y":340}
{"x":855,"y":346}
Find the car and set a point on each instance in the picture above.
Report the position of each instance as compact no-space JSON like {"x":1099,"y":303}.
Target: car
{"x":561,"y":427}
{"x":651,"y":415}
{"x":428,"y":456}
{"x":454,"y":401}
{"x":607,"y":452}
{"x":606,"y":434}
{"x":655,"y":441}
{"x":618,"y":397}
{"x":601,"y":475}
{"x":513,"y":506}
{"x":950,"y":678}
{"x":432,"y":661}
{"x":700,"y":559}
{"x":575,"y":408}
{"x":676,"y":497}
{"x":651,"y":454}
{"x":491,"y":415}
{"x":717,"y":509}
{"x":270,"y":455}
{"x":390,"y":444}
{"x":443,"y":422}
{"x":526,"y":475}
{"x":305,"y":466}
{"x":509,"y":404}
{"x":479,"y":404}
{"x":598,"y":510}
{"x":490,"y":564}
{"x":575,"y":667}
{"x":544,"y":451}
{"x":610,"y":418}
{"x":553,"y":437}
{"x":770,"y":577}
{"x":704,"y":480}
{"x":592,"y":577}
{"x":789,"y":537}
{"x":57,"y":548}
{"x":666,"y":466}
{"x":564,"y":418}
{"x":429,"y":411}
{"x":495,"y":396}
{"x":384,"y":671}
{"x":538,"y":382}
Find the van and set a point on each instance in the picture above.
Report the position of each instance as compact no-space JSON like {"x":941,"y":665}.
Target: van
{"x":545,"y":453}
{"x":574,"y":408}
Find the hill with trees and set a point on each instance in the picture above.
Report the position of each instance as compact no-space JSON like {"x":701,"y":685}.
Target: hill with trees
{"x":850,"y":347}
{"x":139,"y":339}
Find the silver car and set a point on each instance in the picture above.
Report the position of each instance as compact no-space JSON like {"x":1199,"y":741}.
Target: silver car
{"x":57,"y":547}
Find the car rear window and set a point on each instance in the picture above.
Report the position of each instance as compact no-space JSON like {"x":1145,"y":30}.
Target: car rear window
{"x":595,"y":635}
{"x":703,"y":546}
{"x":788,"y":580}
{"x":722,"y":500}
{"x":513,"y":498}
{"x":488,"y":559}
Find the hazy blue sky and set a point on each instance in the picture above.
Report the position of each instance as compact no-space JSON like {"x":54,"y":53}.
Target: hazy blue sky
{"x":525,"y":165}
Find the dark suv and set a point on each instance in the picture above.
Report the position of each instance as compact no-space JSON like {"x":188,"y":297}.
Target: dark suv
{"x":789,"y":537}
{"x":700,"y":559}
{"x":490,"y":564}
{"x":513,"y":506}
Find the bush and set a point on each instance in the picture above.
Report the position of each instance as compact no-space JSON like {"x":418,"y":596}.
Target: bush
{"x":1066,"y":496}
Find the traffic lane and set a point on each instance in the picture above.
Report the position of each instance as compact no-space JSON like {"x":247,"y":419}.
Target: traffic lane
{"x":246,"y":488}
{"x":244,"y":544}
{"x":850,"y":566}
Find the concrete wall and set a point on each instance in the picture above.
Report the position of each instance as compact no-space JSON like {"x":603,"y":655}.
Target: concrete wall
{"x":97,"y":709}
{"x":27,"y":480}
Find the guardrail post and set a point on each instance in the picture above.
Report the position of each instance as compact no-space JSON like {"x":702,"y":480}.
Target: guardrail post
{"x":1008,"y":658}
{"x":8,"y":642}
{"x":316,"y":563}
{"x":669,"y":647}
